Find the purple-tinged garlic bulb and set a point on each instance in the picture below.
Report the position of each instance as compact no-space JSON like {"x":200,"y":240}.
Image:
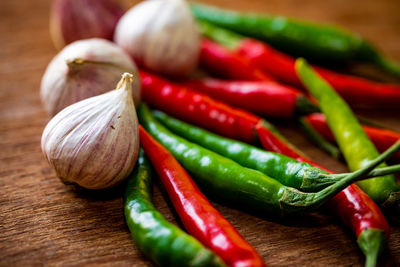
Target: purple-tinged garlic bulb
{"x":72,"y":20}
{"x":160,"y":35}
{"x":84,"y":69}
{"x":95,"y":142}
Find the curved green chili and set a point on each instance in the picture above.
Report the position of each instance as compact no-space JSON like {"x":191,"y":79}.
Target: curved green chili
{"x":323,"y":43}
{"x":289,"y":172}
{"x":227,"y":180}
{"x":355,"y":145}
{"x":163,"y":242}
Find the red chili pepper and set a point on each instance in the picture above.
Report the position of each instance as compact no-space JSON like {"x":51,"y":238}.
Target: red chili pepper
{"x":262,"y":97}
{"x":355,"y":208}
{"x":198,"y":216}
{"x":359,"y":211}
{"x":193,"y":106}
{"x":219,"y":60}
{"x":381,"y":138}
{"x":357,"y":91}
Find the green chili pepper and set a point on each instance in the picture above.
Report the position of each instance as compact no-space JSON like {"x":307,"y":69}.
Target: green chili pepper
{"x":229,"y":181}
{"x":163,"y":242}
{"x":354,"y":143}
{"x":286,"y":170}
{"x":318,"y":42}
{"x":282,"y":168}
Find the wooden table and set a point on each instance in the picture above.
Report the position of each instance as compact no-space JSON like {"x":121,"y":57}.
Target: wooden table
{"x":43,"y":222}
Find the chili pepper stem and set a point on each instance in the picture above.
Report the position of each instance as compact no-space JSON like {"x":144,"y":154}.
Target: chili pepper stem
{"x":318,"y":180}
{"x":293,"y":199}
{"x":304,"y":106}
{"x":374,"y":173}
{"x":319,"y":139}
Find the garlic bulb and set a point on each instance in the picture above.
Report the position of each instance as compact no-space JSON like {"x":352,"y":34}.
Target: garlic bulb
{"x":95,"y":142}
{"x":72,"y":20}
{"x":161,"y":35}
{"x":84,"y":69}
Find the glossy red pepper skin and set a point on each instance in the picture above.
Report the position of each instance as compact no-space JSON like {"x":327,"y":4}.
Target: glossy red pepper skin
{"x":198,"y":216}
{"x":261,"y":97}
{"x":185,"y":104}
{"x":358,"y":206}
{"x":382,"y":138}
{"x":356,"y":91}
{"x":223,"y":62}
{"x":193,"y":106}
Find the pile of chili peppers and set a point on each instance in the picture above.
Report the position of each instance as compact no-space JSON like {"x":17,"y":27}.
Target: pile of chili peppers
{"x":220,"y":148}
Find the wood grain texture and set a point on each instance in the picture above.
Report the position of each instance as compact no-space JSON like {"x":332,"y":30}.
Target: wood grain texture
{"x":43,"y":222}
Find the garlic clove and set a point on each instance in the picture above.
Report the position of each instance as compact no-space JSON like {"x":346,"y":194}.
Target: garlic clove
{"x":72,"y":20}
{"x":84,"y":69}
{"x":160,"y":35}
{"x":95,"y":142}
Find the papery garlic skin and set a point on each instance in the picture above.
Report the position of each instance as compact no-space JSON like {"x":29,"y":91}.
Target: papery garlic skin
{"x":84,"y":69}
{"x":161,"y":35}
{"x":95,"y":143}
{"x":72,"y":20}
